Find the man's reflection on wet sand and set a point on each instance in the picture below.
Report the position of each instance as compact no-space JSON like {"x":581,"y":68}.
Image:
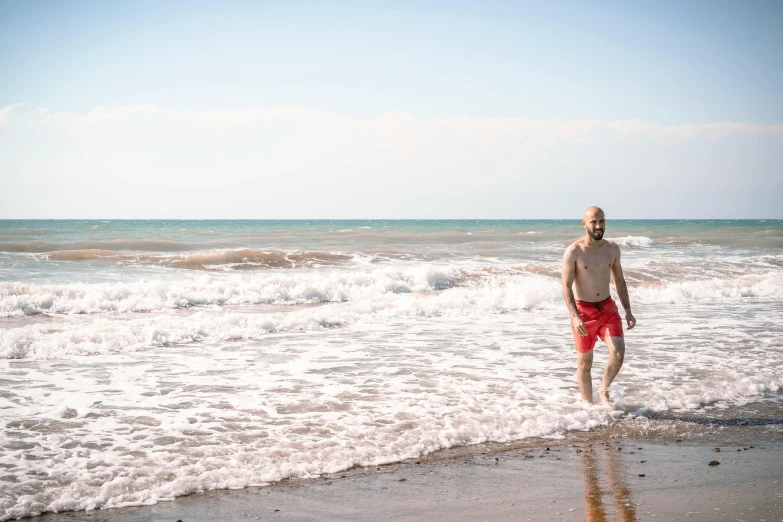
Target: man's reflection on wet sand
{"x":603,"y":477}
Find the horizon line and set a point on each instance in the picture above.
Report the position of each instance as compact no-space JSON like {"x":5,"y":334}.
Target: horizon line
{"x":392,"y":219}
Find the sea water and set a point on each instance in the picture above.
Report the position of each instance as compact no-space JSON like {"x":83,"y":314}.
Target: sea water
{"x":144,"y":360}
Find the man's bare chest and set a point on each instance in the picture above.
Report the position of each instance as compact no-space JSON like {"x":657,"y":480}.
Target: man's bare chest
{"x":594,"y":263}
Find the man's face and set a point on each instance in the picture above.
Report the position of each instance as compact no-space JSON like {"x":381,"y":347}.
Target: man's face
{"x":595,"y":224}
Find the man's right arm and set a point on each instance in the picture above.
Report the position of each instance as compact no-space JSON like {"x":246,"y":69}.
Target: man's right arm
{"x":567,"y":277}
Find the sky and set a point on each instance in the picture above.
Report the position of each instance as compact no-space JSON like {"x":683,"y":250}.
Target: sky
{"x":278,"y":110}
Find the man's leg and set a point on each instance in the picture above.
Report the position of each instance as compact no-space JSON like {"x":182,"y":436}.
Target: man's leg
{"x":584,"y":363}
{"x":616,"y":346}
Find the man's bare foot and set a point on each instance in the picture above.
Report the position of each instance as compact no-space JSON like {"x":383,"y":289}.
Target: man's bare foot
{"x":604,"y":395}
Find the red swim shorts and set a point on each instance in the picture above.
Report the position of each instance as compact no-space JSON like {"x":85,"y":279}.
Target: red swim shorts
{"x":601,"y":319}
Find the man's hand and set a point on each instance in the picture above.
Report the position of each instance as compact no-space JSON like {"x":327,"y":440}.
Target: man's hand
{"x":578,"y":325}
{"x":630,"y":319}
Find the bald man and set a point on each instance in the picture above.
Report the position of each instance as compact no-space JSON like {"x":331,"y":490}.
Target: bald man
{"x":588,"y":265}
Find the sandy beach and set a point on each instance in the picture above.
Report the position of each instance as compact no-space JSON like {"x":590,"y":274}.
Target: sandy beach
{"x":608,"y":474}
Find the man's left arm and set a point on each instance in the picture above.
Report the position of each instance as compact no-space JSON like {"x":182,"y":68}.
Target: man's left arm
{"x":622,"y":288}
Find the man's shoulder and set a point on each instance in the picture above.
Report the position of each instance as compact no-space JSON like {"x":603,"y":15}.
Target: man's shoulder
{"x":613,"y":247}
{"x":574,"y":248}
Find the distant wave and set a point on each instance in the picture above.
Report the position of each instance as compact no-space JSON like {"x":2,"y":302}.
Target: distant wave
{"x":216,"y":260}
{"x":633,"y":241}
{"x":153,"y":245}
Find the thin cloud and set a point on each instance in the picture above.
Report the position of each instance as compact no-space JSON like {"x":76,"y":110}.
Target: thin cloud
{"x":140,"y":161}
{"x":24,"y":113}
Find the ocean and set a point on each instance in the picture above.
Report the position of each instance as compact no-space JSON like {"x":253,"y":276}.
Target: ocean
{"x":145,"y":360}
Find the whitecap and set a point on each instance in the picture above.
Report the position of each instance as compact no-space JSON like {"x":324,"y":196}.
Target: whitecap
{"x":633,"y":241}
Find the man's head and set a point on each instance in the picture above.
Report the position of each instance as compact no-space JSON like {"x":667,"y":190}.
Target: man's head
{"x":594,"y":222}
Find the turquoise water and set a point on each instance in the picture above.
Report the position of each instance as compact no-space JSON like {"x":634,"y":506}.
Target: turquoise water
{"x":55,"y":251}
{"x":295,"y":233}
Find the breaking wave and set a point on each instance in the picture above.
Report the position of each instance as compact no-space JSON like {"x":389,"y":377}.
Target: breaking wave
{"x":348,"y":298}
{"x":769,"y":285}
{"x":18,"y":299}
{"x":106,"y":335}
{"x":338,"y":286}
{"x":633,"y":241}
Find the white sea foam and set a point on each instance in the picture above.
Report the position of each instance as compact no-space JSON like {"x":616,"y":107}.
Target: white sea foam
{"x":109,"y":335}
{"x":139,"y":428}
{"x":335,"y":286}
{"x":18,"y":299}
{"x":633,"y":241}
{"x":768,"y":285}
{"x":364,"y":304}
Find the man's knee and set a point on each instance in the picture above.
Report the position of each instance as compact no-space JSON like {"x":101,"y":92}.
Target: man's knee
{"x":585,"y":362}
{"x":617,"y":345}
{"x":616,"y":351}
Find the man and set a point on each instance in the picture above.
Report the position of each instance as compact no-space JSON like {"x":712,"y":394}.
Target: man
{"x":588,"y":264}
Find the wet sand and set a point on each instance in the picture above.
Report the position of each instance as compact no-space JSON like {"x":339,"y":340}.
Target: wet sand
{"x":585,"y":477}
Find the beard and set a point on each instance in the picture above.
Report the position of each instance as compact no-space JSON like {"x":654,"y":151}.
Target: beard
{"x":597,"y":235}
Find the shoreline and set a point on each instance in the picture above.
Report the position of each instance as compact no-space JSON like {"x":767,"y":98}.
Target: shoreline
{"x":612,"y":473}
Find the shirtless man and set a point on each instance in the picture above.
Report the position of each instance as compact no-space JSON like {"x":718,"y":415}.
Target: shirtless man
{"x":588,"y":265}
